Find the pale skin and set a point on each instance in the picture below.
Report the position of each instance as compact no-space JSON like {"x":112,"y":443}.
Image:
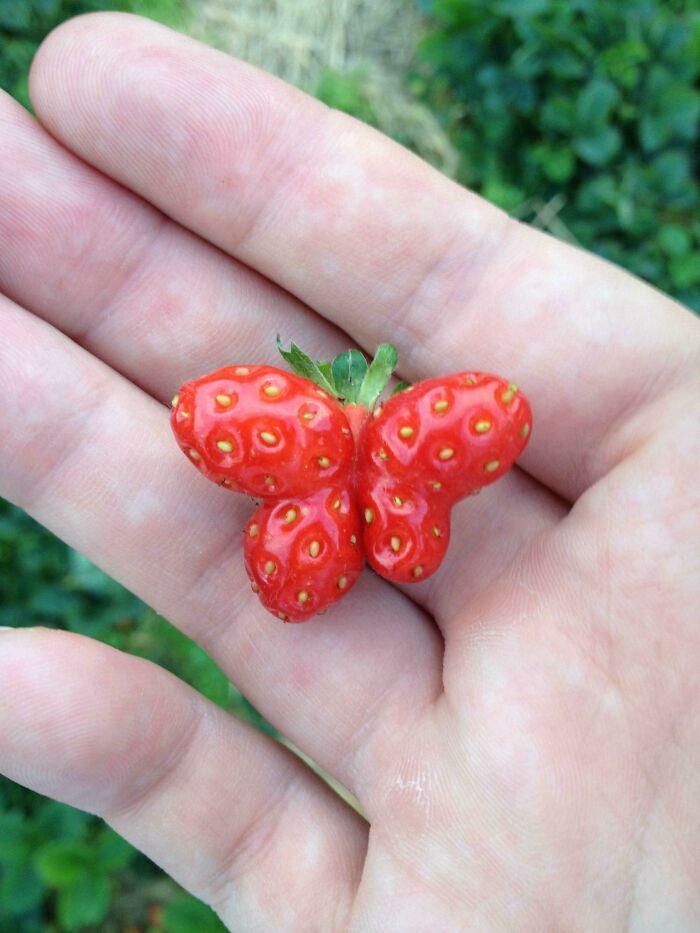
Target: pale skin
{"x":523,"y":729}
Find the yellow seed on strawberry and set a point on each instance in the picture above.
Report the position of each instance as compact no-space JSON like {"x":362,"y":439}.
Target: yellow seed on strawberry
{"x":436,"y":484}
{"x":342,"y":582}
{"x":290,"y":516}
{"x":418,"y":571}
{"x":225,"y":446}
{"x":254,"y":531}
{"x":314,"y":548}
{"x":369,"y":516}
{"x":303,"y":596}
{"x":336,"y":504}
{"x":395,"y":543}
{"x":406,"y":431}
{"x":437,"y":532}
{"x":175,"y":399}
{"x":224,"y":400}
{"x":441,"y":406}
{"x":447,"y":453}
{"x":270,"y":567}
{"x":383,"y":455}
{"x":525,"y":430}
{"x":481,"y":427}
{"x":353,"y":539}
{"x":324,"y":462}
{"x":242,"y":371}
{"x":308,"y":415}
{"x":509,"y":394}
{"x":271,"y":391}
{"x":492,"y":466}
{"x":398,"y":500}
{"x":254,"y":586}
{"x":194,"y":455}
{"x":267,"y":437}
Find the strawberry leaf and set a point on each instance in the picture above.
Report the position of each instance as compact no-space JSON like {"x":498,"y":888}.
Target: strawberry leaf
{"x":325,"y":367}
{"x":400,"y":387}
{"x":303,"y":365}
{"x":349,"y":370}
{"x":378,"y":375}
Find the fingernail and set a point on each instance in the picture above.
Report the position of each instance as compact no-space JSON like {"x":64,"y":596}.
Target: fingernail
{"x":5,"y":628}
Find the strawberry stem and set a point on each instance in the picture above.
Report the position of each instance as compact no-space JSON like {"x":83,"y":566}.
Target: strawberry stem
{"x":348,"y":377}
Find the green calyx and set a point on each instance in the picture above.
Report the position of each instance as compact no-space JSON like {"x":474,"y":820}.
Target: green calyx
{"x":348,"y":377}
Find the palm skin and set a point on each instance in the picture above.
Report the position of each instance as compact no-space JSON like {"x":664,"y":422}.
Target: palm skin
{"x":521,"y":730}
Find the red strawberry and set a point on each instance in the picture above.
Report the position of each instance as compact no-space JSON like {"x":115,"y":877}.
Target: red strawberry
{"x":426,"y":448}
{"x":323,"y":468}
{"x":263,"y":431}
{"x":304,"y":554}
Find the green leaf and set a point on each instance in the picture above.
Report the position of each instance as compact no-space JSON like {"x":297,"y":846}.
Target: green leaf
{"x":672,"y":171}
{"x":112,"y":852}
{"x":522,"y":8}
{"x":326,"y":368}
{"x":21,"y":888}
{"x":595,"y":102}
{"x":378,"y":374}
{"x":14,"y":836}
{"x":186,"y":914}
{"x":15,"y":15}
{"x":654,"y":131}
{"x":502,"y":194}
{"x":685,"y":270}
{"x":85,"y":902}
{"x":400,"y":387}
{"x":599,"y":147}
{"x":346,"y":91}
{"x":303,"y":365}
{"x":61,"y":863}
{"x":557,"y":162}
{"x":674,"y":240}
{"x":348,"y":370}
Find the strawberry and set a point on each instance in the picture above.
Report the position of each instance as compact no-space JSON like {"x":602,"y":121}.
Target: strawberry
{"x":337,"y":484}
{"x":302,"y":555}
{"x":263,"y":431}
{"x":428,"y":447}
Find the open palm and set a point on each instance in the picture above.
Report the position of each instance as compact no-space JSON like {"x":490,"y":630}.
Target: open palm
{"x":523,"y":729}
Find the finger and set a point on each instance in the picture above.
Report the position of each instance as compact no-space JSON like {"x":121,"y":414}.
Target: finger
{"x":92,"y":458}
{"x":64,"y":230}
{"x":350,"y":222}
{"x":156,"y":302}
{"x":229,"y":813}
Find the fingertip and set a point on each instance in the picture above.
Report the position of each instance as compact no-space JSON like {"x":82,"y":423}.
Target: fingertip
{"x":86,"y":32}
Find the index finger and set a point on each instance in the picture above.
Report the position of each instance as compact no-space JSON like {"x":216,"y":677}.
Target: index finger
{"x":368,"y":234}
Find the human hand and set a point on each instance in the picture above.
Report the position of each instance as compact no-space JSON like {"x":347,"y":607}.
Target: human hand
{"x":522,"y":730}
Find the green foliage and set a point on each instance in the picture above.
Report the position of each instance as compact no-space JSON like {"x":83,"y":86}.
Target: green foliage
{"x":593,"y":100}
{"x":346,"y":91}
{"x":186,"y":914}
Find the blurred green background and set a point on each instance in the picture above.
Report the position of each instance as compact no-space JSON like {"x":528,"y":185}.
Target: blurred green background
{"x":578,"y":116}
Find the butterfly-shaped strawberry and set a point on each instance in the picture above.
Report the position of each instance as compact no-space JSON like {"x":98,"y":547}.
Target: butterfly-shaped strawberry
{"x":340,"y":479}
